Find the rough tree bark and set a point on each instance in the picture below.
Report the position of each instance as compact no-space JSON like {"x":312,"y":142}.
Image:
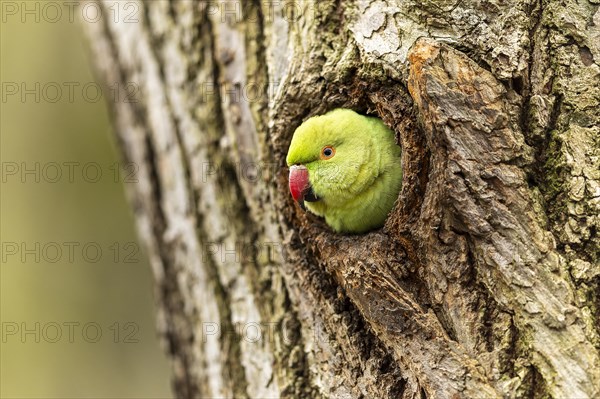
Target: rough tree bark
{"x":484,"y":281}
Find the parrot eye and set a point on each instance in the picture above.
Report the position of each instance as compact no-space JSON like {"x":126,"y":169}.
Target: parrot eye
{"x":327,"y":152}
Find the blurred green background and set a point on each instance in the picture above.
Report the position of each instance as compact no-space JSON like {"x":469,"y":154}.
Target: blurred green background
{"x":101,"y":292}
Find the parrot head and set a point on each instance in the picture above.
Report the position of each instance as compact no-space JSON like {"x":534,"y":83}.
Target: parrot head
{"x":337,"y":162}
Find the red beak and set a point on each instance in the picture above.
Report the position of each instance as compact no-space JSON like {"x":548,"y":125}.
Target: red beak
{"x":299,"y":182}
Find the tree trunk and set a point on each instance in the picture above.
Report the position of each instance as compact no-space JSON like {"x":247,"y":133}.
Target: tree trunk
{"x":484,"y":281}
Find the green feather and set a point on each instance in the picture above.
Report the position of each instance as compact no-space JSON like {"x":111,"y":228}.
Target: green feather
{"x":358,"y":186}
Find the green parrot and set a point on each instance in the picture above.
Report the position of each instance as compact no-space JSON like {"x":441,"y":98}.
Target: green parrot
{"x":347,"y":168}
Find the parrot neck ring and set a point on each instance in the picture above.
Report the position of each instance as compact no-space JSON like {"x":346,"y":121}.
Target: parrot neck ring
{"x":300,"y":187}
